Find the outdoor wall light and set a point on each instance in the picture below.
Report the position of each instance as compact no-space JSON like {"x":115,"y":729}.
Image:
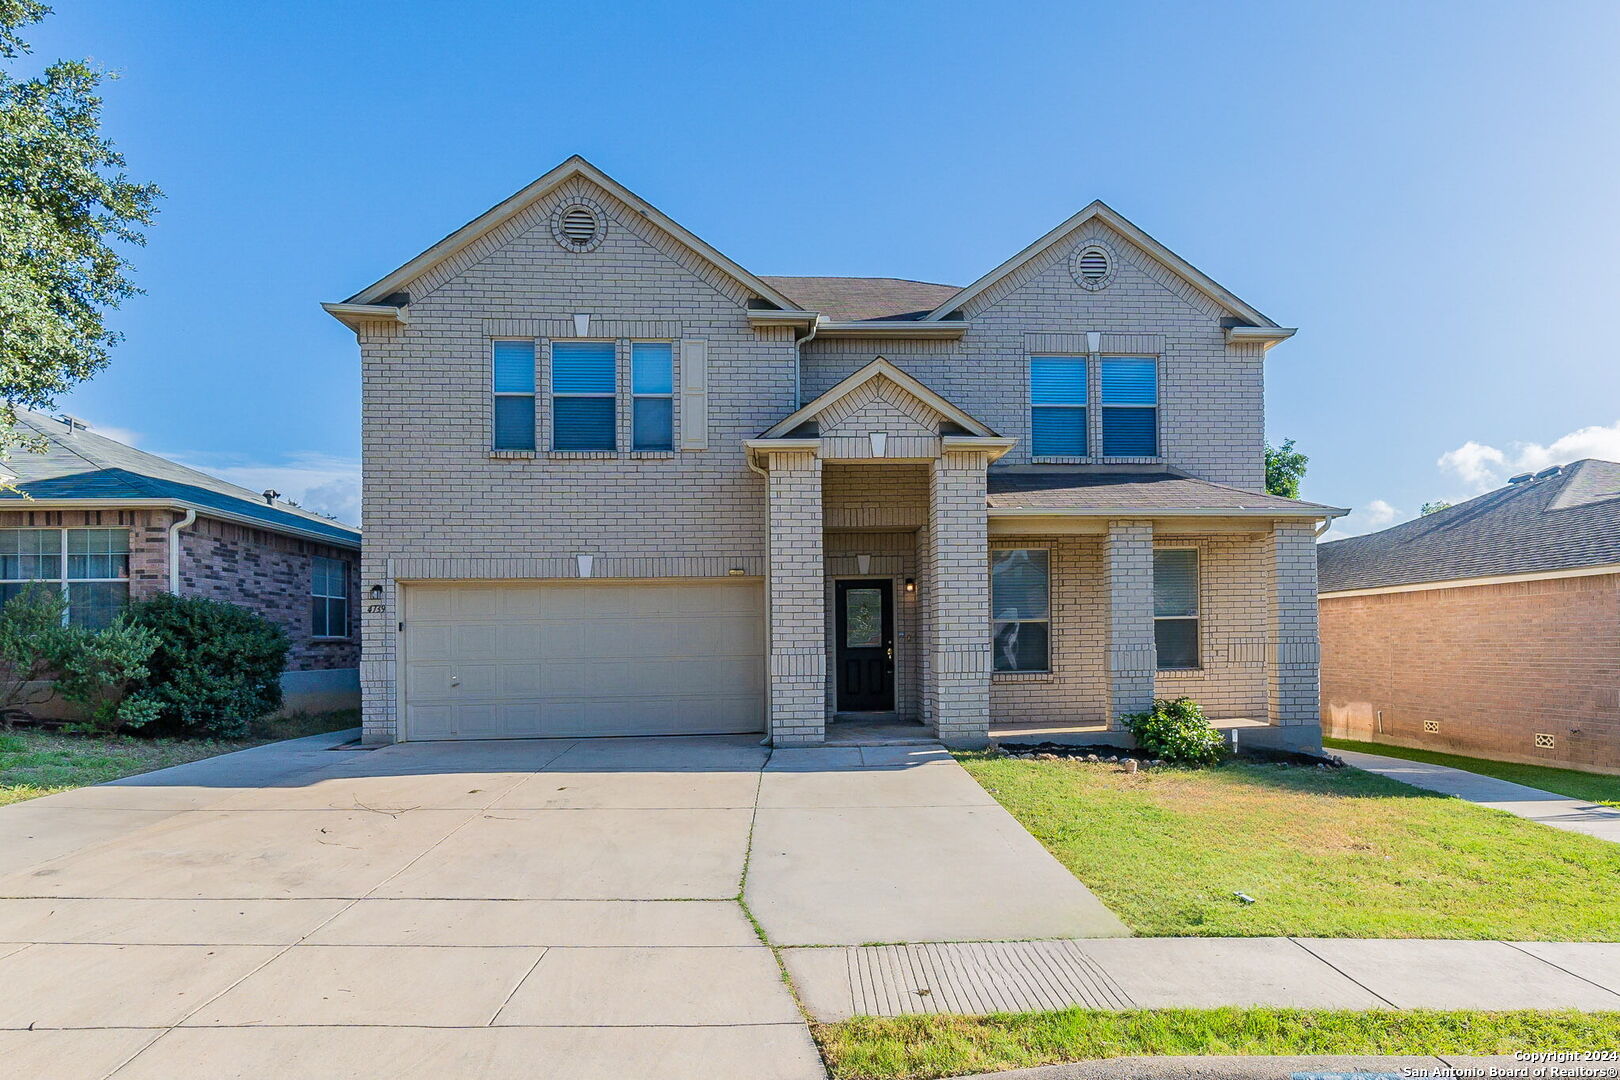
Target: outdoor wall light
{"x":911,"y":584}
{"x":736,"y":571}
{"x":376,"y":592}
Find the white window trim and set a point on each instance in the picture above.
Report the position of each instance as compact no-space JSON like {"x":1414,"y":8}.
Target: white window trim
{"x":1197,"y":617}
{"x":1158,"y":428}
{"x":62,"y":578}
{"x":1085,"y":406}
{"x":348,"y":615}
{"x":532,"y":395}
{"x":674,"y":375}
{"x":1050,"y":574}
{"x":552,"y":396}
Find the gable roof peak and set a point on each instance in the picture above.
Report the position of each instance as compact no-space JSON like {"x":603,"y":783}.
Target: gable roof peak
{"x":879,"y":368}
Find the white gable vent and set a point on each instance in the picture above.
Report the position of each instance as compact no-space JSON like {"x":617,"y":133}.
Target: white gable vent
{"x":1093,"y":267}
{"x":578,"y":226}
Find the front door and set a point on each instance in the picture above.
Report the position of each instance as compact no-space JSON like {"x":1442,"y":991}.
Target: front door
{"x":865,"y":653}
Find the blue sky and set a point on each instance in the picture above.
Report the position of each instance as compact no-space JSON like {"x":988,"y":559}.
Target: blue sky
{"x":1427,"y":190}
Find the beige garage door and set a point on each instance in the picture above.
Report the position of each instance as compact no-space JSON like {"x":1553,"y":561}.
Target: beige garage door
{"x":513,"y":660}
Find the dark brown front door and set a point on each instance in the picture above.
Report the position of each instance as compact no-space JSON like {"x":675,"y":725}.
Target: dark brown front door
{"x":865,"y":652}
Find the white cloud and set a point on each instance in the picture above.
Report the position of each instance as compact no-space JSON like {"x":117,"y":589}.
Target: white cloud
{"x":1376,"y":515}
{"x":118,"y":434}
{"x":1483,"y":468}
{"x":318,"y":482}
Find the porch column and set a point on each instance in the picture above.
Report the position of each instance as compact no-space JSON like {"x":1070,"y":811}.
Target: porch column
{"x":1295,"y":655}
{"x":957,"y":604}
{"x":798,"y":671}
{"x":1132,"y":657}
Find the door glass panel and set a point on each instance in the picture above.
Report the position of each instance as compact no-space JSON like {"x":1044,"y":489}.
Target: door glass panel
{"x":863,"y":618}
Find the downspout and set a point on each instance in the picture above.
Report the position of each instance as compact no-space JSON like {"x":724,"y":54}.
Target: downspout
{"x":798,"y":363}
{"x":1322,"y":528}
{"x":174,"y":549}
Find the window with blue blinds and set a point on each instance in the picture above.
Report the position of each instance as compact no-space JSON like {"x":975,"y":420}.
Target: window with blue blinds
{"x":1057,"y":397}
{"x":1130,"y":406}
{"x":584,"y":385}
{"x":1175,"y":607}
{"x":512,"y":366}
{"x":1020,"y":608}
{"x":652,"y":396}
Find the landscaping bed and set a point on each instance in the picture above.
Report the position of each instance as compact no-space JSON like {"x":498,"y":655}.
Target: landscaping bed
{"x":1248,"y":850}
{"x":1593,"y":787}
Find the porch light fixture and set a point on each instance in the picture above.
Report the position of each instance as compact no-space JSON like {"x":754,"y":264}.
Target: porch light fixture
{"x":911,"y":584}
{"x":376,"y":592}
{"x":736,"y":571}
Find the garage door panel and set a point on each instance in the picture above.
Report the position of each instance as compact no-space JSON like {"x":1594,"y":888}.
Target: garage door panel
{"x":433,"y":643}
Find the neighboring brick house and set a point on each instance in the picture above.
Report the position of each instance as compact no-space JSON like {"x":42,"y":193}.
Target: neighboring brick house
{"x":1491,"y":628}
{"x":617,"y":484}
{"x":111,"y":523}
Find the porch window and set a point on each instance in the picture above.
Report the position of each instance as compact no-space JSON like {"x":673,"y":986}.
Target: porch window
{"x":1130,"y":406}
{"x":90,"y":566}
{"x":1020,"y":609}
{"x":1175,"y":607}
{"x":652,"y":396}
{"x":1057,"y":400}
{"x":584,"y":389}
{"x":329,"y":597}
{"x":512,"y":365}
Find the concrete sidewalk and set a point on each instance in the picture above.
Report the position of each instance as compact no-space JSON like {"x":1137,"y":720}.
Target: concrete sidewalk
{"x":1160,"y":973}
{"x":1549,"y":808}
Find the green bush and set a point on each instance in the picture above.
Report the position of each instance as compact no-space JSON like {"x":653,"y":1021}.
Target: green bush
{"x":32,"y":642}
{"x":217,"y":667}
{"x":98,"y":668}
{"x":1177,"y":731}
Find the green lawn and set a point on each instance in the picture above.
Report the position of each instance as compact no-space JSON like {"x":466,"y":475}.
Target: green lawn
{"x":1577,"y":785}
{"x":925,"y":1047}
{"x":35,"y":763}
{"x":1325,"y":853}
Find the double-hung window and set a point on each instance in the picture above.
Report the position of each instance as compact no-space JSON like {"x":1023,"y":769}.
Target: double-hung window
{"x":652,"y":396}
{"x":89,"y":566}
{"x":1020,"y":608}
{"x":1057,"y":396}
{"x":1175,"y":607}
{"x":513,"y":382}
{"x":584,"y":396}
{"x":1130,"y":406}
{"x":329,"y":597}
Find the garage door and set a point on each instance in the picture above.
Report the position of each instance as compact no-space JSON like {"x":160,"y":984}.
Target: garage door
{"x":513,"y":660}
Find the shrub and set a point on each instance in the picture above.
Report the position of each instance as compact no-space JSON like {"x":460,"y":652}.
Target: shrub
{"x":97,"y":668}
{"x":217,"y":667}
{"x":32,"y":640}
{"x":1177,"y":731}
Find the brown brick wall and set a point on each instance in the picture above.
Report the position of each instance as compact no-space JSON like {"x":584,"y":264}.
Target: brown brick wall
{"x":1489,"y":665}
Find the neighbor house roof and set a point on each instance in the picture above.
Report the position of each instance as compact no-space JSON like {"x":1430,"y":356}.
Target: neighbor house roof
{"x":851,"y":299}
{"x":79,"y":465}
{"x":1095,"y":493}
{"x":1566,"y":521}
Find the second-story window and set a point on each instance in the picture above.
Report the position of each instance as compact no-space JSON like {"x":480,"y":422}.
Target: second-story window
{"x":513,"y":382}
{"x":584,"y":389}
{"x":1057,"y":398}
{"x":1130,"y":406}
{"x":652,"y":396}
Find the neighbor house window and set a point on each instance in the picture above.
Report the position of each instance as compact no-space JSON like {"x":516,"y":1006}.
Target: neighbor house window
{"x":329,"y":597}
{"x":1130,"y":406}
{"x":90,"y":566}
{"x":1057,"y":398}
{"x":584,"y":385}
{"x":1020,"y":608}
{"x":513,"y":381}
{"x":1175,"y":607}
{"x":652,"y":394}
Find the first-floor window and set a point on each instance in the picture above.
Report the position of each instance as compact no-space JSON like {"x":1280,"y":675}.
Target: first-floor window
{"x":1175,"y":607}
{"x":1020,"y":608}
{"x":89,"y":566}
{"x":329,"y":597}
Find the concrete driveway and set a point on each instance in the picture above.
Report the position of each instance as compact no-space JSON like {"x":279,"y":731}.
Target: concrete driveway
{"x":486,"y":909}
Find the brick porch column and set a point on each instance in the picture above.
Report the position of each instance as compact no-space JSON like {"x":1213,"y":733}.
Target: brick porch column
{"x":1132,"y":656}
{"x":957,"y":605}
{"x":796,"y":592}
{"x":1294,"y":659}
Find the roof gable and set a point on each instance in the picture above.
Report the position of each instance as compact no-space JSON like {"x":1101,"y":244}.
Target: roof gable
{"x":853,"y":393}
{"x":503,"y":213}
{"x":1102,"y":212}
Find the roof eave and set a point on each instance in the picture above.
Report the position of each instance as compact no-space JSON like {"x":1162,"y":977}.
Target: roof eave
{"x":879,"y":328}
{"x":356,"y":315}
{"x":1265,"y":336}
{"x":1308,"y":512}
{"x":759,"y":318}
{"x":202,"y":510}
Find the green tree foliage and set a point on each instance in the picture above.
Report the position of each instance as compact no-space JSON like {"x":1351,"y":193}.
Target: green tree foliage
{"x":217,"y":667}
{"x":64,"y":202}
{"x":1433,"y":507}
{"x":1285,"y":468}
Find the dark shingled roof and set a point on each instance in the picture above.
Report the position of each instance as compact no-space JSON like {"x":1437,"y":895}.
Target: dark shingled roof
{"x":1560,"y":523}
{"x":851,"y":299}
{"x":93,"y":467}
{"x":1134,"y":491}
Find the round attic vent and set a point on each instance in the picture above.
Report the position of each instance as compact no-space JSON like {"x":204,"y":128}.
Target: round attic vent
{"x":1093,"y":267}
{"x":578,"y":226}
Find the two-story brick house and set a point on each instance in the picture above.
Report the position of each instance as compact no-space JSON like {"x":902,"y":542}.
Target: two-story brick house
{"x":617,"y":484}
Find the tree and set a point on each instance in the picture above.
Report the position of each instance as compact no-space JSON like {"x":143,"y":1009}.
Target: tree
{"x":1285,"y":468}
{"x":1433,"y":508}
{"x":64,"y":201}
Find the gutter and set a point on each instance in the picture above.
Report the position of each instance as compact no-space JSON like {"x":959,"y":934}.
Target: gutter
{"x":1314,"y":513}
{"x":174,"y":548}
{"x":182,"y":506}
